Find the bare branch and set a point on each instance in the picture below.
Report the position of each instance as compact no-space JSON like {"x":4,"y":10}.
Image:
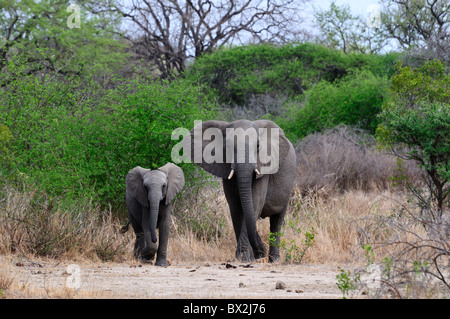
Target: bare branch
{"x":172,"y":31}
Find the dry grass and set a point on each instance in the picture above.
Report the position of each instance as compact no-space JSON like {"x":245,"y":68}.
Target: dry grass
{"x":29,"y":225}
{"x":336,"y":220}
{"x":199,"y":233}
{"x":6,"y":277}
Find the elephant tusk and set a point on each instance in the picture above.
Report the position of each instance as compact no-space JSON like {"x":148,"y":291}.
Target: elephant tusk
{"x":257,"y":172}
{"x":231,"y":174}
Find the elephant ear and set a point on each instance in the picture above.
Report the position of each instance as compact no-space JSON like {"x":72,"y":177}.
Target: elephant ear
{"x":135,"y":186}
{"x":222,"y":169}
{"x":283,"y":146}
{"x":175,"y":180}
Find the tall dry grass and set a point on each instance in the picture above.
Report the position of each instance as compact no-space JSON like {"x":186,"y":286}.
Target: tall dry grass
{"x":338,"y":222}
{"x":202,"y":232}
{"x":31,"y":225}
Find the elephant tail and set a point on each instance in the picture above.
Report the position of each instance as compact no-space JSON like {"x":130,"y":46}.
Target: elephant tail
{"x":124,"y":229}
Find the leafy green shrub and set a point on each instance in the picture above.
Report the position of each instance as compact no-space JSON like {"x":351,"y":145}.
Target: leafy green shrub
{"x":139,"y":133}
{"x":73,"y":139}
{"x":354,"y":100}
{"x":292,"y":252}
{"x":238,"y":73}
{"x":5,"y":137}
{"x":417,"y":118}
{"x":346,"y":282}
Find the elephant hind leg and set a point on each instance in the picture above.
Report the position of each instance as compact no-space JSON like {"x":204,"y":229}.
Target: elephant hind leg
{"x":260,"y":251}
{"x":276,"y":221}
{"x":139,"y":245}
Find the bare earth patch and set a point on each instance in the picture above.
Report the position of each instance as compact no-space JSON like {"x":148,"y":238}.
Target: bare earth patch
{"x":180,"y":280}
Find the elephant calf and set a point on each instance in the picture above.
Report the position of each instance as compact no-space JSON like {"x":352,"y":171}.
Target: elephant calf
{"x":149,"y":194}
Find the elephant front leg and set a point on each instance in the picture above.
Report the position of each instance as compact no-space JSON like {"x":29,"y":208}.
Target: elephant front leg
{"x":140,"y":251}
{"x":244,"y":251}
{"x":138,"y":245}
{"x":164,"y":228}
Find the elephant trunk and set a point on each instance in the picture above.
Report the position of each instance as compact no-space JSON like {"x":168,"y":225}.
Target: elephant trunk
{"x":149,"y":223}
{"x":244,"y":181}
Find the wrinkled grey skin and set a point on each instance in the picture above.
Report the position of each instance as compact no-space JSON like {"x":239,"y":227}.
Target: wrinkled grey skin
{"x":251,"y":195}
{"x":149,"y":195}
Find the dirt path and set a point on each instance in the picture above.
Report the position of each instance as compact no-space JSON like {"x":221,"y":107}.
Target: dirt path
{"x":199,"y":280}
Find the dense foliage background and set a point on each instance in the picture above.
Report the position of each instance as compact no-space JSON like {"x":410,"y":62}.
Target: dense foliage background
{"x":78,"y":110}
{"x":91,"y":90}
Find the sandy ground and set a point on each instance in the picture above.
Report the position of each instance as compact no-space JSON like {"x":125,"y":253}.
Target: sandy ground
{"x":53,"y":279}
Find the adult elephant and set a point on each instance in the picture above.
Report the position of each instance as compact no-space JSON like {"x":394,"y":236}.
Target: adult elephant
{"x":149,"y":195}
{"x":256,"y":185}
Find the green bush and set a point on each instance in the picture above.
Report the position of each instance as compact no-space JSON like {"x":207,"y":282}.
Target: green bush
{"x":5,"y":137}
{"x":417,"y":118}
{"x":74,"y":139}
{"x":139,"y":132}
{"x":354,"y":100}
{"x":238,"y":73}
